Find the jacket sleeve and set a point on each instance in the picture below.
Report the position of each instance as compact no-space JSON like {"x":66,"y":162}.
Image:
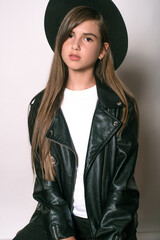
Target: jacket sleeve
{"x":123,"y":197}
{"x":55,"y":210}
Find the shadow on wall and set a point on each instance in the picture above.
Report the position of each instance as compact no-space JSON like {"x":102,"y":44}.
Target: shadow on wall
{"x":135,"y":76}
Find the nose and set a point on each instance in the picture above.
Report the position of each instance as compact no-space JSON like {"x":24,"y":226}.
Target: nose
{"x":75,"y":44}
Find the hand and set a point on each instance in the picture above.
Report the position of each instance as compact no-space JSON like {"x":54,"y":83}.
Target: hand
{"x":69,"y":238}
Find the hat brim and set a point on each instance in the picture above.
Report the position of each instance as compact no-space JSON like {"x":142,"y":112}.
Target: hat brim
{"x":57,"y":9}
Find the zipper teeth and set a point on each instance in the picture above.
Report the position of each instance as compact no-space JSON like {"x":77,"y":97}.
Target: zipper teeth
{"x":76,"y":157}
{"x":54,"y":231}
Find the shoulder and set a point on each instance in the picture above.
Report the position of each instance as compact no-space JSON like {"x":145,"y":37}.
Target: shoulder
{"x":132,"y":104}
{"x":36,"y":100}
{"x":133,"y":114}
{"x":33,"y":110}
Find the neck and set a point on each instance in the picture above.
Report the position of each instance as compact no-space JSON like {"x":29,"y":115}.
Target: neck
{"x":80,"y":80}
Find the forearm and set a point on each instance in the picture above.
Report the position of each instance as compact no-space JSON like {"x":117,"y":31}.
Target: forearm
{"x":56,"y":213}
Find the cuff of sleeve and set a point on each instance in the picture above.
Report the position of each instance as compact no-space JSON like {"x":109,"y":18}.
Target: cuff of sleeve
{"x":60,"y":232}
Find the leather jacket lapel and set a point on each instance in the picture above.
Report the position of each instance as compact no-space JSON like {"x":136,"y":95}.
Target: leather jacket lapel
{"x":59,"y":132}
{"x":104,"y":126}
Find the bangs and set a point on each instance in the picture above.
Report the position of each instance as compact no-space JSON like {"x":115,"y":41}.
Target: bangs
{"x":74,"y":18}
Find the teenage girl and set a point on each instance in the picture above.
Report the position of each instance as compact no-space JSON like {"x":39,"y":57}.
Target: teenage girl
{"x":83,"y":133}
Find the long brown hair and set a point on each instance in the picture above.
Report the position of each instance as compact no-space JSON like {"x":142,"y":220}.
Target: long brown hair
{"x":54,"y":90}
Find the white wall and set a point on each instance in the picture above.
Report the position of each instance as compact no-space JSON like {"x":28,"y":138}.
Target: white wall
{"x":25,"y":58}
{"x":141,"y":71}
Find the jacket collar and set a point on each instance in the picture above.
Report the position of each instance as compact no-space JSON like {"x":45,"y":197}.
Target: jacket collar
{"x":107,"y":97}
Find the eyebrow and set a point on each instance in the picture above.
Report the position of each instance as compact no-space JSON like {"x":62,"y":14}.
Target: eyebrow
{"x":85,"y":34}
{"x":92,"y":34}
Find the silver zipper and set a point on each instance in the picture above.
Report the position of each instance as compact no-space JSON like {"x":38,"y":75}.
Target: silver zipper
{"x":75,"y":176}
{"x":54,"y":232}
{"x":76,"y":157}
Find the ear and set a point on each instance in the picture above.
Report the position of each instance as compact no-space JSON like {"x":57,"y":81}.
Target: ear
{"x":104,"y":48}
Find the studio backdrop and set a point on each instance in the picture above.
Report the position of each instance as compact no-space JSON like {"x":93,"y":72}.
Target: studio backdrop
{"x":25,"y":59}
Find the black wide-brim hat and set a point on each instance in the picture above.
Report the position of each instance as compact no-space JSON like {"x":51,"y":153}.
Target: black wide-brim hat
{"x":57,"y":9}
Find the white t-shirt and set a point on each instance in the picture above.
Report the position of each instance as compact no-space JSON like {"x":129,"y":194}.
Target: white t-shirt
{"x":78,"y":108}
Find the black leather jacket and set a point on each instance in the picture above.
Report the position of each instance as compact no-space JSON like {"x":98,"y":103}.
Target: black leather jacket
{"x":111,"y":194}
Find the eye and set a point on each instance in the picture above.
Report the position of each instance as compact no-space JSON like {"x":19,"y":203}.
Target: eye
{"x":70,"y":35}
{"x":88,"y":39}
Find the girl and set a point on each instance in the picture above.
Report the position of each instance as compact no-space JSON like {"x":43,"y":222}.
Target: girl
{"x":83,"y":132}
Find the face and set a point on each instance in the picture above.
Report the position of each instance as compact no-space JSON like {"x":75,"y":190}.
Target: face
{"x":83,"y":47}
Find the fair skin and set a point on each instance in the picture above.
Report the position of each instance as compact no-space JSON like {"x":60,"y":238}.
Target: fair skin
{"x":80,"y":53}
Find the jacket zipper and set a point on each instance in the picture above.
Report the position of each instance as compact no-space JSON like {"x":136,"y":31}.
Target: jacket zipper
{"x":54,"y":232}
{"x":76,"y":157}
{"x":75,"y":174}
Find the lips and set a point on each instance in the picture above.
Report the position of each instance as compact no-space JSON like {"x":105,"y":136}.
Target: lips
{"x":74,"y":57}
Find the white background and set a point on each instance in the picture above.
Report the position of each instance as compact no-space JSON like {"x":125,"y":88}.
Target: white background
{"x":25,"y":59}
